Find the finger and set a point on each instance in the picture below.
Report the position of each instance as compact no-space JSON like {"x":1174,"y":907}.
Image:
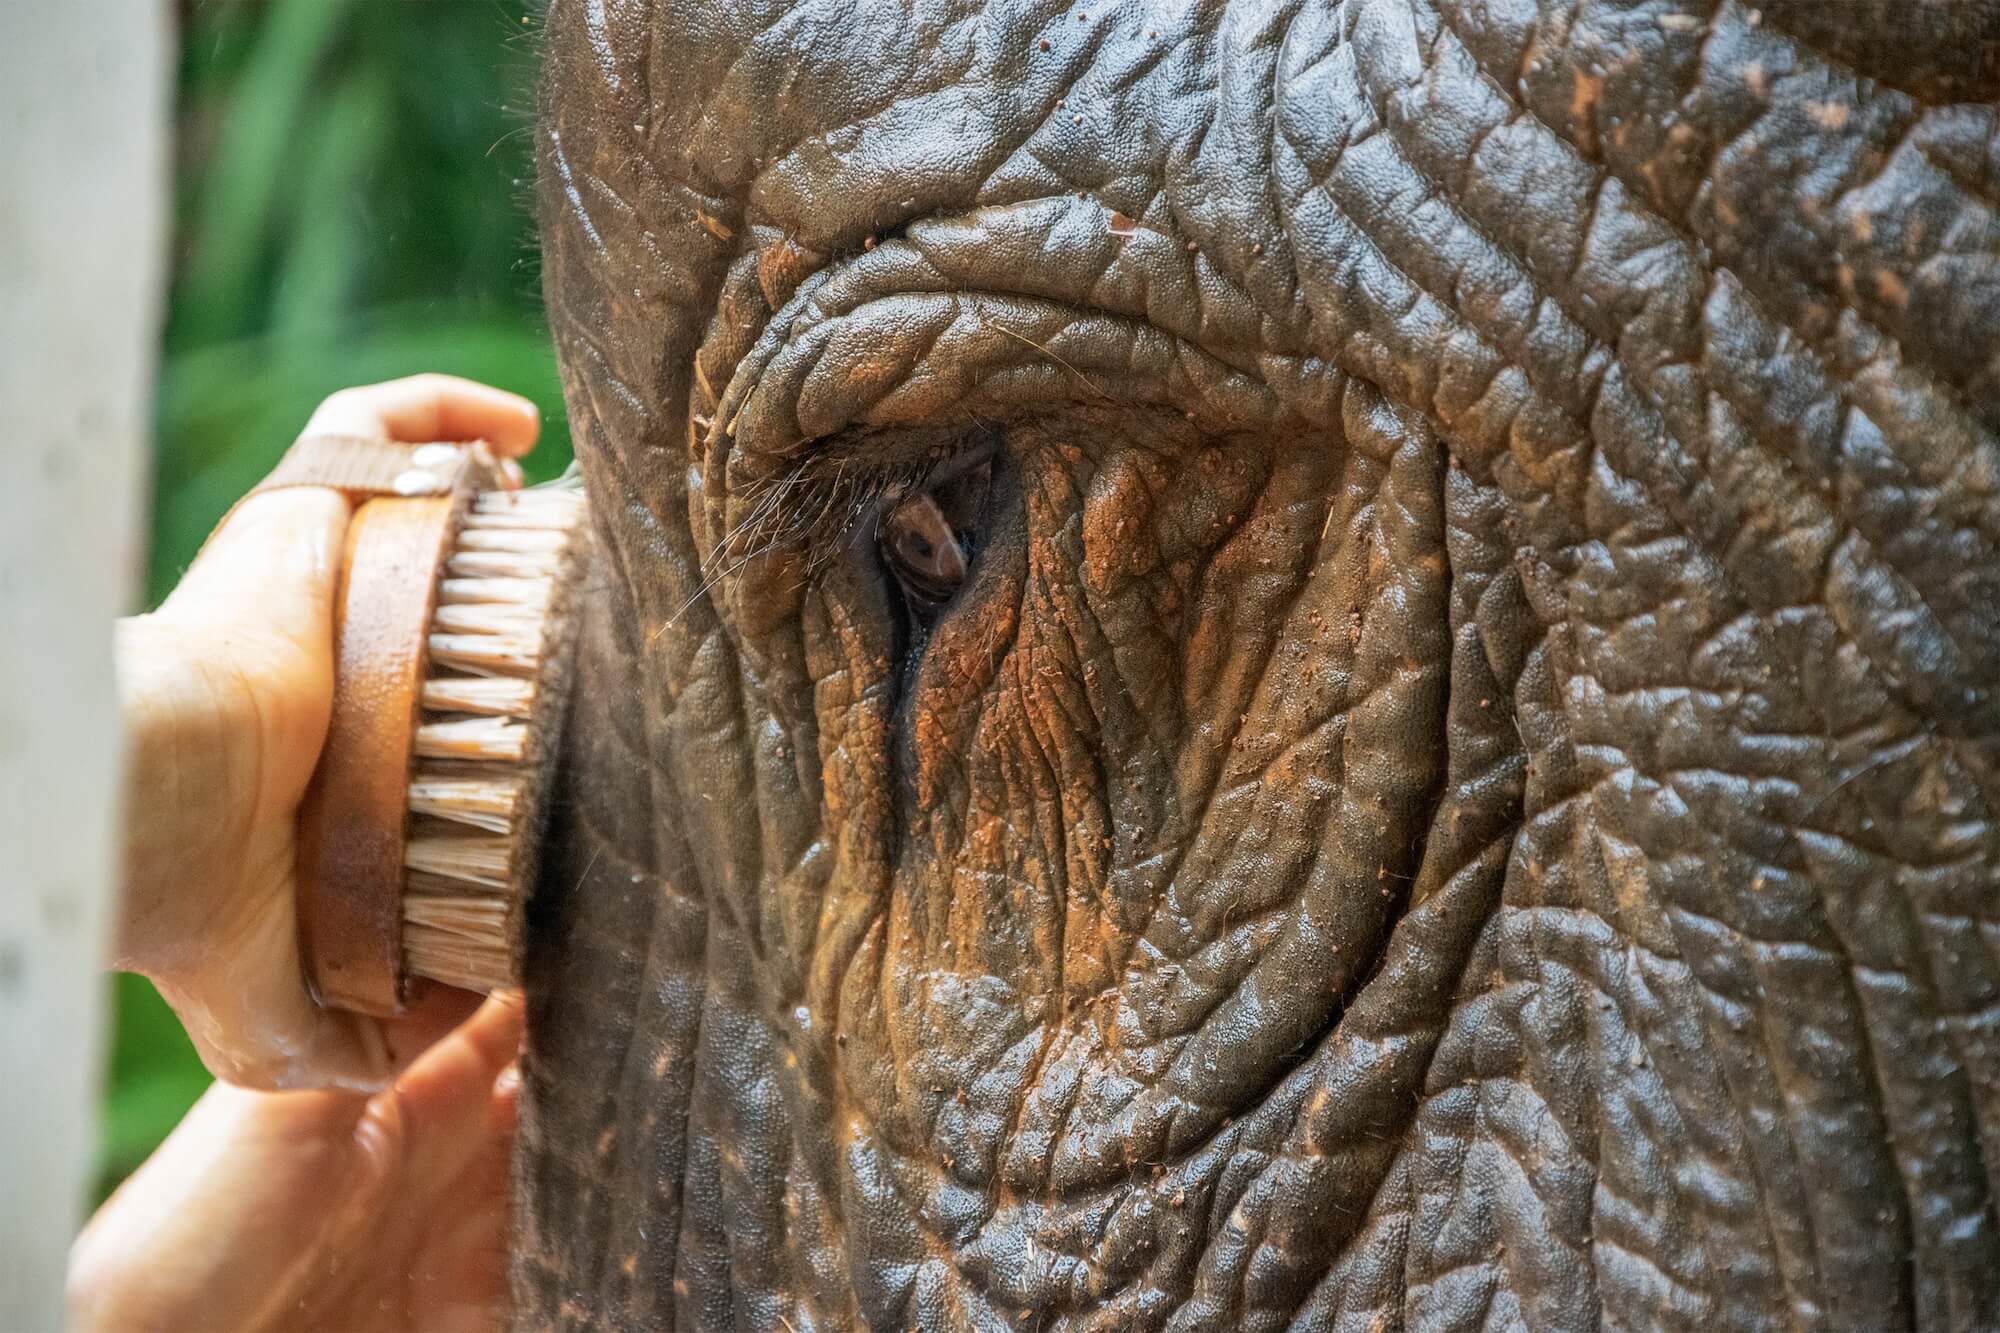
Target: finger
{"x":210,"y":1231}
{"x":458,"y":1189}
{"x":224,"y":697}
{"x":244,"y":1002}
{"x":443,"y":1109}
{"x":496,"y":1030}
{"x":422,"y":408}
{"x":459,"y":1072}
{"x":434,"y":1012}
{"x":236,"y":668}
{"x":280,"y":549}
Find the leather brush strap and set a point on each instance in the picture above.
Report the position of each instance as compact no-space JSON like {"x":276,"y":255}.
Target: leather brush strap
{"x":362,"y":468}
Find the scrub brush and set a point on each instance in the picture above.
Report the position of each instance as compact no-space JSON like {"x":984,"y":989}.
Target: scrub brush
{"x":454,"y":633}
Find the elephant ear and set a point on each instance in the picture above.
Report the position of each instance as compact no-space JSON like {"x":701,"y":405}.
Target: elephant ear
{"x":1936,"y":50}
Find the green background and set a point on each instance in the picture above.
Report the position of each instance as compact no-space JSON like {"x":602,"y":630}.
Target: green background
{"x":350,"y":205}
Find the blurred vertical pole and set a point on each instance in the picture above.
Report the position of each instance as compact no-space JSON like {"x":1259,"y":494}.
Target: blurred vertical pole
{"x":84,"y":107}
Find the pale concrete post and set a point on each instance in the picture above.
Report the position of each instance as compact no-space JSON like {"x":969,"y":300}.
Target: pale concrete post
{"x":84,"y":106}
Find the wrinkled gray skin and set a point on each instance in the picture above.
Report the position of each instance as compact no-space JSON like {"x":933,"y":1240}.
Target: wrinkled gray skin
{"x":1458,"y":787}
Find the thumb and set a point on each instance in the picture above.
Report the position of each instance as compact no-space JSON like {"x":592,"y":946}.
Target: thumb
{"x":244,"y":1003}
{"x":273,"y":563}
{"x":252,"y":621}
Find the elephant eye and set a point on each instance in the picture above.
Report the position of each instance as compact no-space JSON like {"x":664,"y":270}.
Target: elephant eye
{"x":928,"y":537}
{"x":923,"y":551}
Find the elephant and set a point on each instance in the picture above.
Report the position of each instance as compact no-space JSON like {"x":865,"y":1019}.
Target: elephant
{"x":1260,"y":664}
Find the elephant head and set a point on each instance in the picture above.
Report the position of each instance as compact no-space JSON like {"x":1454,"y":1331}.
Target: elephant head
{"x":1320,"y":663}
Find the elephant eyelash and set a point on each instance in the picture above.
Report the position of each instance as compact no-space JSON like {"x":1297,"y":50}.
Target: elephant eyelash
{"x":840,"y":491}
{"x":816,"y":511}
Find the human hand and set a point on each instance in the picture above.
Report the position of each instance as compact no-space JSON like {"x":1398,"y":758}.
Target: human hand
{"x":322,"y":1209}
{"x":225,"y":693}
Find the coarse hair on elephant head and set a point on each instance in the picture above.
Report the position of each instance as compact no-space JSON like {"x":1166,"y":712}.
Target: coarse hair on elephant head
{"x":1274,"y":664}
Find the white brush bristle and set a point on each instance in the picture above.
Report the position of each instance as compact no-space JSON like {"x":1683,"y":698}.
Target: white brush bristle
{"x":474,"y":737}
{"x":503,"y":738}
{"x":533,"y":593}
{"x":497,"y":696}
{"x":488,"y":618}
{"x":504,"y":653}
{"x":486,"y":803}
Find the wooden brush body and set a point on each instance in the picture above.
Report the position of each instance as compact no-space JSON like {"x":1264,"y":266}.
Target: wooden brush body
{"x":419,"y":832}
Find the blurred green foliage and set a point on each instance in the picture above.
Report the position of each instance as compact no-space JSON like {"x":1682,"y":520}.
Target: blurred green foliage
{"x":351,"y":205}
